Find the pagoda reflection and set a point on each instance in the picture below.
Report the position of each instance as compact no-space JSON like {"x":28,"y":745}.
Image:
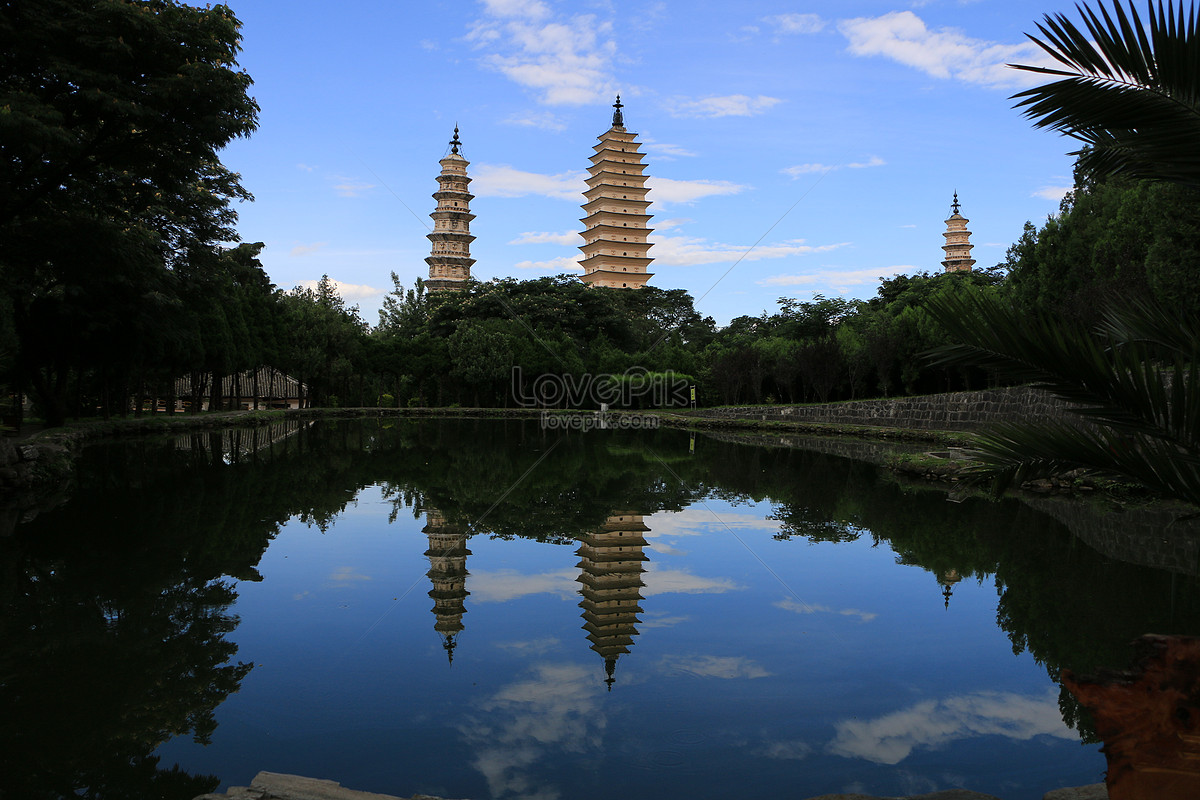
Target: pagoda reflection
{"x":447,"y":555}
{"x":612,"y":562}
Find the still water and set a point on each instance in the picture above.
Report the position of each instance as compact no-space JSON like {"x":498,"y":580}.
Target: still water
{"x":480,"y":609}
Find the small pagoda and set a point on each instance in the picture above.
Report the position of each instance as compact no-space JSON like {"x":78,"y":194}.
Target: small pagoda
{"x":450,"y":256}
{"x":615,"y":251}
{"x":958,"y":241}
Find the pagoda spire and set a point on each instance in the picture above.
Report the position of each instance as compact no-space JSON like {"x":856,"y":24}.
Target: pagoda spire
{"x":958,"y":241}
{"x":616,"y":253}
{"x":450,"y":242}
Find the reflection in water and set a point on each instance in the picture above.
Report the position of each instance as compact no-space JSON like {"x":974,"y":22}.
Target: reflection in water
{"x":554,"y":711}
{"x":132,"y":568}
{"x":933,"y":723}
{"x":611,"y":561}
{"x":447,"y":556}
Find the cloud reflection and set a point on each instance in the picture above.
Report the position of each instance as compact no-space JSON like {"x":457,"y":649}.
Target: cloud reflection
{"x":346,"y":576}
{"x":788,"y":604}
{"x":726,"y":667}
{"x":934,"y":723}
{"x":699,"y":521}
{"x":677,"y":581}
{"x":555,"y":711}
{"x":508,"y":584}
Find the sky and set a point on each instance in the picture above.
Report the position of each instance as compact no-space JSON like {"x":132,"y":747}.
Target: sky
{"x":793,"y":148}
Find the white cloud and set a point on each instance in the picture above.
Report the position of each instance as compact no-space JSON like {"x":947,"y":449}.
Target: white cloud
{"x":560,"y":264}
{"x":873,"y":161}
{"x":349,"y":187}
{"x":537,"y":119}
{"x":305,"y":167}
{"x":789,"y":604}
{"x":1054,"y":193}
{"x":507,"y":584}
{"x":674,"y":222}
{"x":665,"y":152}
{"x":669,"y":190}
{"x":807,"y":169}
{"x":933,"y":723}
{"x":725,"y":667}
{"x":732,"y":105}
{"x":689,"y":251}
{"x":943,"y":53}
{"x":526,"y":9}
{"x":347,"y":291}
{"x":307,"y":249}
{"x":796,"y":23}
{"x":566,"y":61}
{"x":499,"y":180}
{"x":841,"y":280}
{"x":545,"y":237}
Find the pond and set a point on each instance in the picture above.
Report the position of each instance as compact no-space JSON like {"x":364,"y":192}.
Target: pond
{"x":484,"y":609}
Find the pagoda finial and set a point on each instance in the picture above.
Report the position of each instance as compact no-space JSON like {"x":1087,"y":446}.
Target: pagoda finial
{"x":455,"y":143}
{"x":954,"y":205}
{"x":618,"y":117}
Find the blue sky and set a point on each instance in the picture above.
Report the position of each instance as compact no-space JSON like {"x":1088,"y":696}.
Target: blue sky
{"x":827,"y":137}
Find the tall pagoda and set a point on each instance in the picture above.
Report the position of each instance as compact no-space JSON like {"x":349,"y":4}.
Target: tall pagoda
{"x":958,"y":241}
{"x":615,"y":251}
{"x":611,"y":564}
{"x":447,"y":555}
{"x":450,"y":257}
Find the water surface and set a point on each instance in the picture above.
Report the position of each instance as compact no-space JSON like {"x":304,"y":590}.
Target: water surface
{"x":482,"y":609}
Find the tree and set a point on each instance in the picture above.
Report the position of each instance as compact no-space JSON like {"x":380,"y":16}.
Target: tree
{"x":1136,"y":377}
{"x":113,"y":114}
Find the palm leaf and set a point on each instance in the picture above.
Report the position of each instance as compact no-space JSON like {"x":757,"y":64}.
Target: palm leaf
{"x":1134,"y":384}
{"x":1021,"y":452}
{"x":1129,"y":91}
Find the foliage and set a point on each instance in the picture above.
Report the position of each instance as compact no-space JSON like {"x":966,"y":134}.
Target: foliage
{"x":113,"y":114}
{"x":1135,"y":381}
{"x":1129,"y":90}
{"x":1133,"y":378}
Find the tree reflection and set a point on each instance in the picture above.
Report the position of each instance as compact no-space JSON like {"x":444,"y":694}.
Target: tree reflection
{"x":114,"y":610}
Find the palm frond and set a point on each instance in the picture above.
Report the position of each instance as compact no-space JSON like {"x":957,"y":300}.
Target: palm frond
{"x":1129,"y":90}
{"x":1139,"y":375}
{"x":1015,"y":453}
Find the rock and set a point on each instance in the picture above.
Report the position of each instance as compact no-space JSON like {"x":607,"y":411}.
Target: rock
{"x":1097,"y":791}
{"x":278,"y":786}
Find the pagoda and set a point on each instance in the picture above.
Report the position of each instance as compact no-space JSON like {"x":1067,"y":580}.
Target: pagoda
{"x":447,"y":555}
{"x":611,"y":564}
{"x":958,"y":241}
{"x":450,"y":257}
{"x":615,"y":251}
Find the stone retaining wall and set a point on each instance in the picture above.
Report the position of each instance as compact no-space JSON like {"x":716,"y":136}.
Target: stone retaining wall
{"x":953,"y":411}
